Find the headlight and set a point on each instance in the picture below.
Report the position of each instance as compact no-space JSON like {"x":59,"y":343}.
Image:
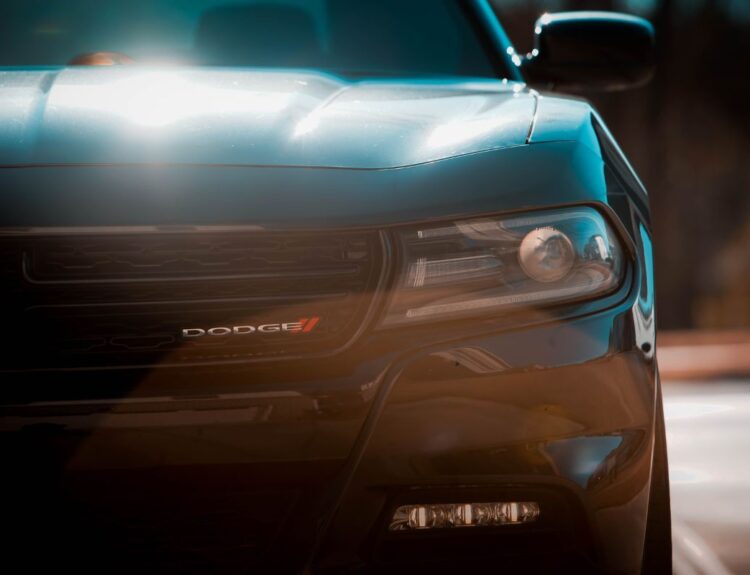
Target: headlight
{"x":478,"y":267}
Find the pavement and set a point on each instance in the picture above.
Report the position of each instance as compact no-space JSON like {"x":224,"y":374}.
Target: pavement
{"x":708,"y":435}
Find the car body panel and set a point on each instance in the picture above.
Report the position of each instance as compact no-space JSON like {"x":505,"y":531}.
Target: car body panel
{"x":251,"y":117}
{"x":560,"y":118}
{"x":286,"y":198}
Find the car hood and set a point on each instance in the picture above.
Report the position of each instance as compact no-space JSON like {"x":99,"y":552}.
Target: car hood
{"x":251,"y":117}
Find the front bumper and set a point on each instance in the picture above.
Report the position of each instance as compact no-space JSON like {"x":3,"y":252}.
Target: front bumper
{"x":278,"y":470}
{"x":563,"y":412}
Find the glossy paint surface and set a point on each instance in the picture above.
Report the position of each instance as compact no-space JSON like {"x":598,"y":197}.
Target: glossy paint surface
{"x":282,"y":198}
{"x":255,"y":118}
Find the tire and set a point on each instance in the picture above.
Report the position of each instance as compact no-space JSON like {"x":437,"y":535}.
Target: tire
{"x":657,"y":555}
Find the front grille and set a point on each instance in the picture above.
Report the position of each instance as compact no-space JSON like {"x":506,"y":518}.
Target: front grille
{"x":95,"y":299}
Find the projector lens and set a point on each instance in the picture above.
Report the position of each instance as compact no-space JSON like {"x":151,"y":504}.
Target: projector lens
{"x":546,"y":255}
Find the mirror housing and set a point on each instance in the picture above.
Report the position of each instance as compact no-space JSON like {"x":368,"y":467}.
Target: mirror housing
{"x":603,"y":51}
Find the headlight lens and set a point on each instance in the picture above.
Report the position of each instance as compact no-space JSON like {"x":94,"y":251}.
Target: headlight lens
{"x":476,"y":267}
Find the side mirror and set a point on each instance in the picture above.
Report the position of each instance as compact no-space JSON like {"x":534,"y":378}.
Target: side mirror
{"x":602,"y":51}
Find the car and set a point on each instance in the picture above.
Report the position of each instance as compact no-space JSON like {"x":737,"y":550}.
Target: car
{"x":324,"y":287}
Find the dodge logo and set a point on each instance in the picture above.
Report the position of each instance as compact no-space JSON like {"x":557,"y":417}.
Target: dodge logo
{"x":304,"y":325}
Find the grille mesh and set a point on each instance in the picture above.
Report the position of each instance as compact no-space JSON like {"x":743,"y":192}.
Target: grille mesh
{"x":124,"y":299}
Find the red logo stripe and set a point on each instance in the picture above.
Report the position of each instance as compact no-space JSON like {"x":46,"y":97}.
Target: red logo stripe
{"x":309,"y":324}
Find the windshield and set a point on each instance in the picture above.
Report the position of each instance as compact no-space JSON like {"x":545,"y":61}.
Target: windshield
{"x":361,"y":37}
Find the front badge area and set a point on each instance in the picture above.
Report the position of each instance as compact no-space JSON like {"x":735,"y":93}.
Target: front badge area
{"x":302,"y":325}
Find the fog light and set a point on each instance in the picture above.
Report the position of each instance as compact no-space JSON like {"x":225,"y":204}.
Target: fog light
{"x":455,"y":515}
{"x":546,"y":255}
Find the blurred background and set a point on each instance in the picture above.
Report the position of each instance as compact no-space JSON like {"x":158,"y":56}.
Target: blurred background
{"x":688,"y":136}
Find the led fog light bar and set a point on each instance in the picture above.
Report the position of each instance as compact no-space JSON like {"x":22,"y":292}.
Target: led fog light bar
{"x":456,"y":515}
